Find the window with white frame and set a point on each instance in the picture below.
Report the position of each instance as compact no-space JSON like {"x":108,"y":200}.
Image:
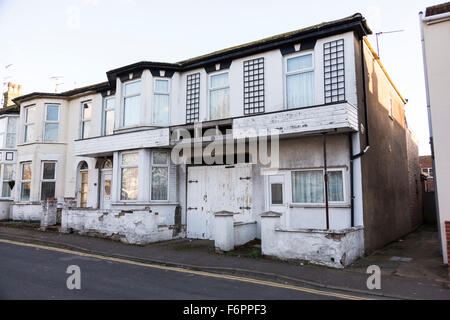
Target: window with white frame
{"x":28,"y":135}
{"x":48,"y":180}
{"x":11,"y":133}
{"x":428,"y":172}
{"x":161,"y":102}
{"x":160,"y":175}
{"x":7,"y":177}
{"x":51,"y":126}
{"x":131,"y":103}
{"x":3,"y":126}
{"x":300,"y":81}
{"x":219,"y":96}
{"x":86,"y":114}
{"x":129,"y":176}
{"x":108,"y":115}
{"x":25,"y":181}
{"x":308,"y":186}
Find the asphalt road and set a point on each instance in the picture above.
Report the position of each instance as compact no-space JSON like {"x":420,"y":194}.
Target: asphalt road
{"x":34,"y":273}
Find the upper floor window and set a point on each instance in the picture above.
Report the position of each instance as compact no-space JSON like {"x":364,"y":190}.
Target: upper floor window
{"x":129,"y":176}
{"x":254,"y":86}
{"x":28,"y":134}
{"x":86,"y":114}
{"x":333,"y":63}
{"x":193,"y":98}
{"x":8,"y":132}
{"x":51,"y":122}
{"x":219,"y":96}
{"x":7,"y":177}
{"x":131,"y":103}
{"x":161,"y":102}
{"x":25,"y":181}
{"x":160,"y":175}
{"x":48,"y":180}
{"x":300,"y":81}
{"x":108,"y":115}
{"x":11,"y":133}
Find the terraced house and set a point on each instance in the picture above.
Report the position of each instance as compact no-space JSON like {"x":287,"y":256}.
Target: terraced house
{"x":318,"y":99}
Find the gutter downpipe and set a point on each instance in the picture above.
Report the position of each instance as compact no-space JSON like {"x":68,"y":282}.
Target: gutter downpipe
{"x":366,"y":123}
{"x":430,"y":127}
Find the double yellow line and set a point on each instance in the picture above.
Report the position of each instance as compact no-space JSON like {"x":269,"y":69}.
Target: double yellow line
{"x":182,"y":270}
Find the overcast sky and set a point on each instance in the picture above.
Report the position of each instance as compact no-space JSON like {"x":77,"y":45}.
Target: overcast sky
{"x":82,"y":39}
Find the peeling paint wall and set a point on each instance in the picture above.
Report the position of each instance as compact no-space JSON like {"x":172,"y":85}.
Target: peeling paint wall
{"x":134,"y":226}
{"x":26,"y":211}
{"x":330,"y":248}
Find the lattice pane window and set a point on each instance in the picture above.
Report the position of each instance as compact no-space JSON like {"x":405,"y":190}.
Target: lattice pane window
{"x":254,"y":86}
{"x":192,"y":97}
{"x":333,"y":61}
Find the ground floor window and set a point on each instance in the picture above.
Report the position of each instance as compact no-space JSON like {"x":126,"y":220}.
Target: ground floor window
{"x":25,"y":181}
{"x":7,"y":177}
{"x":308,"y":186}
{"x":48,"y":180}
{"x":129,"y":176}
{"x":160,"y":175}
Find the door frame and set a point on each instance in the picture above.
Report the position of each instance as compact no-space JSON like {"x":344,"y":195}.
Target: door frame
{"x":102,"y":186}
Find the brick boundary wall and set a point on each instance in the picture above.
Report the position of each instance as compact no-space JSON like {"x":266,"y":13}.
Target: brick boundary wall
{"x":447,"y":232}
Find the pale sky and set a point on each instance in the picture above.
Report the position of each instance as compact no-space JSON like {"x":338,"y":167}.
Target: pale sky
{"x":82,"y":39}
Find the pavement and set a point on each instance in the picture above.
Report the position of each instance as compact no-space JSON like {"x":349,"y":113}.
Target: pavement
{"x":247,"y":262}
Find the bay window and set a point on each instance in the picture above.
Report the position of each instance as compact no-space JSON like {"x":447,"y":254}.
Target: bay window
{"x":25,"y":181}
{"x":48,"y":180}
{"x":300,"y":81}
{"x":308,"y":186}
{"x":160,"y":175}
{"x":161,"y":102}
{"x":219,"y":96}
{"x":28,"y":135}
{"x":131,"y":103}
{"x":86,"y":114}
{"x":108,"y":115}
{"x":129,"y":176}
{"x":51,"y":123}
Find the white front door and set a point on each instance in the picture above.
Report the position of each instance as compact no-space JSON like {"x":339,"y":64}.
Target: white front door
{"x":105,"y":189}
{"x":277,"y":197}
{"x":217,"y":188}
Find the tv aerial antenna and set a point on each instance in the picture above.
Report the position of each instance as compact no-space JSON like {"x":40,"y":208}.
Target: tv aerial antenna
{"x":384,"y":32}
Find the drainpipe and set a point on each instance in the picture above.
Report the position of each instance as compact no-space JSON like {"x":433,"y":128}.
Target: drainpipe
{"x":430,"y":128}
{"x":325,"y":177}
{"x":366,"y":121}
{"x":352,"y":193}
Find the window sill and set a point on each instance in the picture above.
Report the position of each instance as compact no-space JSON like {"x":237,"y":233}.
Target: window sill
{"x":144,"y":203}
{"x":39,"y":142}
{"x":320,"y":206}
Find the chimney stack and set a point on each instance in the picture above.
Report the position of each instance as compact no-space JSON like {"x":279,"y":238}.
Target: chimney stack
{"x":12,"y":92}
